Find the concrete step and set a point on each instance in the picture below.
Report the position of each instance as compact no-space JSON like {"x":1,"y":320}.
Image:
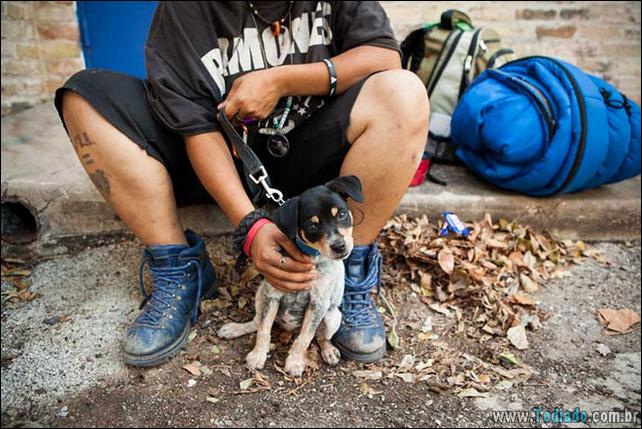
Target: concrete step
{"x":40,"y":170}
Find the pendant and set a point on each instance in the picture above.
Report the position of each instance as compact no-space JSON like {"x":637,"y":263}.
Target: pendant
{"x":278,"y":145}
{"x":276,"y":28}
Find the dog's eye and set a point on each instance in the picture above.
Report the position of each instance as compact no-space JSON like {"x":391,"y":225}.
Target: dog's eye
{"x":342,"y":215}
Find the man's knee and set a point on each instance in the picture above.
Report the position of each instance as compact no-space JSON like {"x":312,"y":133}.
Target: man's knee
{"x":392,"y":98}
{"x":403,"y":94}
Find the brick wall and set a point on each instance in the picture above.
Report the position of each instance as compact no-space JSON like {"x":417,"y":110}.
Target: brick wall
{"x":601,"y":37}
{"x":40,"y":39}
{"x":40,"y":49}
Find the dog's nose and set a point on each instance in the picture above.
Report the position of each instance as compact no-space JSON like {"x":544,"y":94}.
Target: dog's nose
{"x":338,"y":248}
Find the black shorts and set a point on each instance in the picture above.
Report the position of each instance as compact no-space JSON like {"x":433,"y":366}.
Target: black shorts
{"x":317,"y":146}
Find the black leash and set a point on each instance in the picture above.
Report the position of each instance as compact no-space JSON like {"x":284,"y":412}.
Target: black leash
{"x":252,"y":165}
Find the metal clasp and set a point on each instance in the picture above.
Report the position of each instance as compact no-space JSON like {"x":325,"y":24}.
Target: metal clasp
{"x":272,"y":193}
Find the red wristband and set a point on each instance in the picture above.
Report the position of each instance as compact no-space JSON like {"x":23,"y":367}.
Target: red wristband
{"x":247,"y":245}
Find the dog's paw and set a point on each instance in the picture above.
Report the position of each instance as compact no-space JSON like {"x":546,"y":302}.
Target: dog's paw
{"x":229,"y":331}
{"x":256,"y":359}
{"x":331,"y":355}
{"x":295,"y":365}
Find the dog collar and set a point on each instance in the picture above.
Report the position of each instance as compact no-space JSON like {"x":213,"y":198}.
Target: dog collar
{"x":308,"y":250}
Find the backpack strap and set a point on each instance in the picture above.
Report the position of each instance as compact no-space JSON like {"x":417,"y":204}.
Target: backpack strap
{"x":451,"y":17}
{"x":412,"y":49}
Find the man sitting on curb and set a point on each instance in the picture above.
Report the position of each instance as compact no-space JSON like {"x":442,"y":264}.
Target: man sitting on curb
{"x":153,"y":145}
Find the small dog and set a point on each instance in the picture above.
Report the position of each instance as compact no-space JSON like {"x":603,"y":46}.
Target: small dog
{"x":320,"y":223}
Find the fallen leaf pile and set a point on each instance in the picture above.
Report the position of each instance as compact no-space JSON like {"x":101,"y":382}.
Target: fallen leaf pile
{"x":484,"y":281}
{"x":477,"y":294}
{"x":16,"y":274}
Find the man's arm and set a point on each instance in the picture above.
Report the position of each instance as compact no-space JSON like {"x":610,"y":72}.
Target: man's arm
{"x":351,"y":66}
{"x":256,"y":94}
{"x":215,"y":168}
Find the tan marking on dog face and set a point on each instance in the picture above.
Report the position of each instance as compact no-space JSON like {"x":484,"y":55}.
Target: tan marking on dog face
{"x":334,"y":211}
{"x":314,"y":219}
{"x":319,"y":245}
{"x":346,"y":233}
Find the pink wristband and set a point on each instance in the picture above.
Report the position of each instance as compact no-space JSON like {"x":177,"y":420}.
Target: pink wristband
{"x":247,"y":245}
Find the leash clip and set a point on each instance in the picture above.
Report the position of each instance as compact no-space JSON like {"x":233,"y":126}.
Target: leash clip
{"x":272,"y":193}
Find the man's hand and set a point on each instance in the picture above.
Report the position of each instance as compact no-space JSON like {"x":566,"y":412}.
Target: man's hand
{"x":253,"y":95}
{"x":297,"y":272}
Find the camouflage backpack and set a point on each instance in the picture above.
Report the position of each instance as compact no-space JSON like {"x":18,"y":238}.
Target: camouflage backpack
{"x":447,"y":56}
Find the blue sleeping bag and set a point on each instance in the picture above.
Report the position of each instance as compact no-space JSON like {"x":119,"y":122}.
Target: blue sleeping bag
{"x":541,"y":126}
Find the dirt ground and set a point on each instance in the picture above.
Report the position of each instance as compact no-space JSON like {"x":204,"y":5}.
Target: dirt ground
{"x":66,"y":371}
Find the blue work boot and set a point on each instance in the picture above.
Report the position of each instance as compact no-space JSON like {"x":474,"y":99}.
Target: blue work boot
{"x":182,"y":277}
{"x":361,"y":336}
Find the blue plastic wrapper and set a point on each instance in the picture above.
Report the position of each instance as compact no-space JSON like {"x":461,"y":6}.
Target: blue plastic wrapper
{"x":454,"y":224}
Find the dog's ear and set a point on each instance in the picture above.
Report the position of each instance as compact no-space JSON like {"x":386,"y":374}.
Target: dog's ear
{"x":347,"y":186}
{"x":286,"y":217}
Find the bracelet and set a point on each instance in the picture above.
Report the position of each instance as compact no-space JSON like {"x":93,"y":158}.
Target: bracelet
{"x":252,"y":233}
{"x":333,"y":76}
{"x":244,"y":227}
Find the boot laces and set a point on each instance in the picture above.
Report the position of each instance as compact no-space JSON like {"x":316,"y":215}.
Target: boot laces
{"x":357,"y":307}
{"x":165,"y":282}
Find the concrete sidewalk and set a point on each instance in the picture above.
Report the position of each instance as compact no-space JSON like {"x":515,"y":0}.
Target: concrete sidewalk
{"x":40,"y":170}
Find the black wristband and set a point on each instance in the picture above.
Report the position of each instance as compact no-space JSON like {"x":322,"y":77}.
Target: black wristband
{"x":333,"y":76}
{"x":241,"y":233}
{"x":244,"y":227}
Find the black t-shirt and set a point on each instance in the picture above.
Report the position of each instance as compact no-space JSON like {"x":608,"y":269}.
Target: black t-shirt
{"x":195,"y":50}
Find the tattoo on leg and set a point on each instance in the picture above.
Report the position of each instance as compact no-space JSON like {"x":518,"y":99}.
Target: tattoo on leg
{"x":87,"y":159}
{"x":81,"y":140}
{"x":85,"y":140}
{"x":99,"y":177}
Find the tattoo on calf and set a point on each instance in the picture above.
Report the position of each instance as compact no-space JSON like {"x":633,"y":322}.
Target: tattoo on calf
{"x":86,"y":158}
{"x":99,"y":177}
{"x":81,"y":140}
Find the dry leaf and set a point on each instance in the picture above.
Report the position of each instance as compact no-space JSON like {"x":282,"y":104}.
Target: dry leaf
{"x":503,"y":385}
{"x":471,"y":393}
{"x":368,"y":374}
{"x":245,"y":384}
{"x":527,"y":283}
{"x":423,"y":365}
{"x":393,"y":338}
{"x":517,"y":336}
{"x":406,"y":363}
{"x":446,"y":260}
{"x":618,"y":320}
{"x":441,"y":309}
{"x":242,"y":302}
{"x":192,"y":369}
{"x":407,"y":377}
{"x":522,"y":299}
